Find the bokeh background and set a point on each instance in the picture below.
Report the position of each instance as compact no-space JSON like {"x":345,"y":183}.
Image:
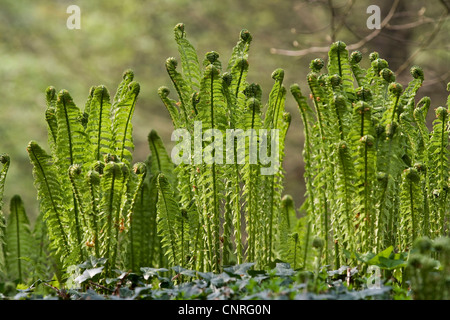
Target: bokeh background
{"x":37,"y":50}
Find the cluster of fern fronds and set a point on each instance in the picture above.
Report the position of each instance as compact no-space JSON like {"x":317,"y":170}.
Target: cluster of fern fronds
{"x":375,"y":174}
{"x":230,"y":209}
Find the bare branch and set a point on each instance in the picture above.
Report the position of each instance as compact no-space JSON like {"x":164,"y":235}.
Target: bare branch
{"x":424,"y":43}
{"x":354,"y":46}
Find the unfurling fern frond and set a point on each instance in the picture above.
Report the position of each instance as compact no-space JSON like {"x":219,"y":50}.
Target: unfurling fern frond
{"x":19,"y":242}
{"x":5,"y":161}
{"x":99,"y":123}
{"x":169,"y":220}
{"x":439,"y":170}
{"x":50,"y":196}
{"x":122,"y":128}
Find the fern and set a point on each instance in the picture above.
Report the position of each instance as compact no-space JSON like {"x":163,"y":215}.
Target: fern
{"x":168,"y":220}
{"x":372,"y":165}
{"x":19,"y":241}
{"x":218,"y":192}
{"x":5,"y":161}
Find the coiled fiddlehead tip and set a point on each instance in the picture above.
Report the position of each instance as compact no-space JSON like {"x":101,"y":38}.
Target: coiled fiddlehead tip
{"x":253,"y":104}
{"x":396,"y":89}
{"x":364,"y":94}
{"x":388,"y":75}
{"x":338,"y":46}
{"x":379,"y":64}
{"x":4,"y":158}
{"x":253,"y":90}
{"x":93,"y":177}
{"x":322,"y":80}
{"x":374,"y":56}
{"x":212,"y":56}
{"x":335,"y":80}
{"x":134,"y":87}
{"x":316,"y":65}
{"x":171,"y":63}
{"x":179,"y":27}
{"x":50,"y":93}
{"x":278,"y":75}
{"x":98,"y":167}
{"x":31,"y":145}
{"x":140,"y":168}
{"x":64,"y":96}
{"x":112,"y":167}
{"x":107,"y":158}
{"x":362,"y":107}
{"x":423,"y":104}
{"x":382,"y":176}
{"x":342,"y":146}
{"x":417,"y":72}
{"x":412,"y":175}
{"x":75,"y":170}
{"x":367,"y":140}
{"x":102,"y":91}
{"x":441,"y":113}
{"x":287,"y":200}
{"x":227,"y":77}
{"x":163,"y":91}
{"x":128,"y":74}
{"x":318,"y":243}
{"x":356,"y":57}
{"x":246,"y":36}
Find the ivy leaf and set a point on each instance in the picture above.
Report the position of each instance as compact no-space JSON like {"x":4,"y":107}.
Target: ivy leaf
{"x":88,"y":274}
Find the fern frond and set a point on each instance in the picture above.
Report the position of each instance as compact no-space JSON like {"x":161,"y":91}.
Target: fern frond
{"x":50,"y":196}
{"x":19,"y":241}
{"x":160,"y":161}
{"x":50,"y":117}
{"x":113,"y":183}
{"x":71,"y":138}
{"x":122,"y":128}
{"x":439,"y":169}
{"x":168,"y":219}
{"x":338,"y":63}
{"x":5,"y":161}
{"x":99,"y":123}
{"x":189,"y":59}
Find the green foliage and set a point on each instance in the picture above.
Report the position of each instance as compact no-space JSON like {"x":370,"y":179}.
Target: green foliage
{"x":5,"y":161}
{"x":226,"y":204}
{"x":375,"y":175}
{"x":86,"y":185}
{"x":428,"y":269}
{"x":19,"y":242}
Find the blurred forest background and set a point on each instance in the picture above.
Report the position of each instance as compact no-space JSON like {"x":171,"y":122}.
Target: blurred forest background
{"x":38,"y":50}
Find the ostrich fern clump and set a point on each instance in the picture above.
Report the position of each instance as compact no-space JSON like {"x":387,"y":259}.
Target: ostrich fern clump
{"x":87,"y":186}
{"x":222,"y":213}
{"x":375,"y":175}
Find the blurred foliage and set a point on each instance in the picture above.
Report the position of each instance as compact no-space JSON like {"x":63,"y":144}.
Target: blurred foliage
{"x":38,"y":50}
